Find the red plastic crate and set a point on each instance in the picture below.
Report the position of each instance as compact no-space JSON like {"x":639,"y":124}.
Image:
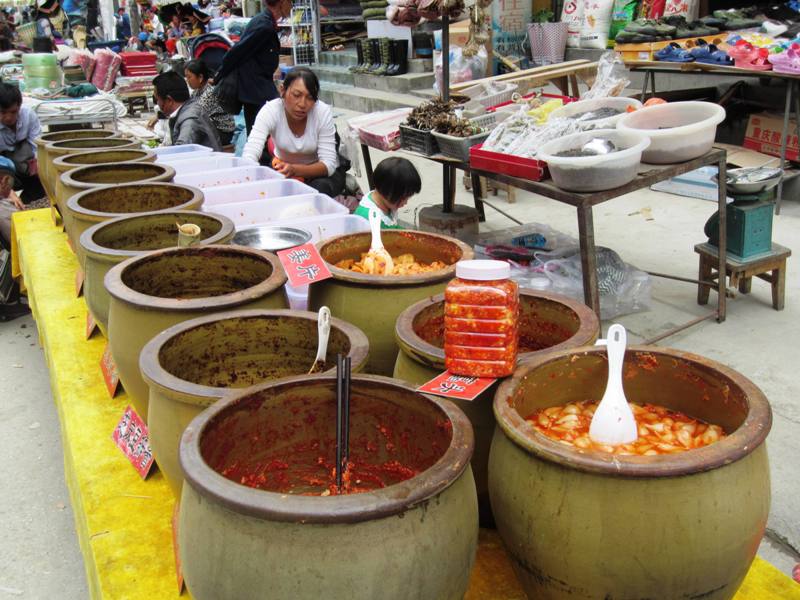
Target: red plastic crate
{"x":507,"y":164}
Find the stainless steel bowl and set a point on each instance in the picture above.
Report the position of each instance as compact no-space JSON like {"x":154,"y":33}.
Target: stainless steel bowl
{"x":271,"y":237}
{"x":749,"y":187}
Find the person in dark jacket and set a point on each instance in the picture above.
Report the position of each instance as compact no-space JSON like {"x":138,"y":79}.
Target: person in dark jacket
{"x":188,"y":123}
{"x":254,"y":59}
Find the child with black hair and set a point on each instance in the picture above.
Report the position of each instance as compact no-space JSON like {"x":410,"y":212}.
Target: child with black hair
{"x":396,"y":180}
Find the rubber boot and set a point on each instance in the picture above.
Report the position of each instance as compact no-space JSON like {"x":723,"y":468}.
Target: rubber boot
{"x":376,"y":56}
{"x":400,"y":58}
{"x":360,"y":53}
{"x":385,"y":57}
{"x":366,"y":51}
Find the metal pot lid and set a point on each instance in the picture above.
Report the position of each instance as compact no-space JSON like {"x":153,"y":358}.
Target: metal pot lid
{"x":271,"y":237}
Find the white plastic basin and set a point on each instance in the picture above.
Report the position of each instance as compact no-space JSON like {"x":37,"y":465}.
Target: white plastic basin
{"x":257,"y":190}
{"x":678,"y":131}
{"x":276,"y":210}
{"x":216,"y":176}
{"x":182,"y":149}
{"x":582,"y":106}
{"x":594,"y":173}
{"x":208,"y":164}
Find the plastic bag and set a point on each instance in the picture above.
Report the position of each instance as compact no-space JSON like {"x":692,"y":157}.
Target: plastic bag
{"x":461,"y":68}
{"x":624,"y":12}
{"x":686,"y":8}
{"x":612,"y":77}
{"x":623,"y":288}
{"x":572,"y":15}
{"x":596,"y":23}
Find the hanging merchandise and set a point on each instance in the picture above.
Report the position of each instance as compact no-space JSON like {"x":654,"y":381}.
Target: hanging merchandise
{"x":652,"y":9}
{"x":624,"y":12}
{"x":596,"y":23}
{"x":684,"y":8}
{"x":572,"y":15}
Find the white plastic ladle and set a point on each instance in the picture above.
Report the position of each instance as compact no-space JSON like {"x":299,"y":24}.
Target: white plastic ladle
{"x":378,"y":261}
{"x":323,"y":332}
{"x":613,"y":422}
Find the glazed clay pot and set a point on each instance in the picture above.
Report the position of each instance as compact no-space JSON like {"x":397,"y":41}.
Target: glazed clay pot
{"x":108,"y":243}
{"x":68,"y":162}
{"x":159,"y":289}
{"x":104,"y":203}
{"x":587,"y":524}
{"x":548,"y":322}
{"x":55,"y":150}
{"x":191,"y":365}
{"x":90,"y":177}
{"x":373,"y":302}
{"x":43,"y":155}
{"x":412,"y":539}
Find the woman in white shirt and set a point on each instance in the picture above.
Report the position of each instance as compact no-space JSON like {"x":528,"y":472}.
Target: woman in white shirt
{"x":302,"y":131}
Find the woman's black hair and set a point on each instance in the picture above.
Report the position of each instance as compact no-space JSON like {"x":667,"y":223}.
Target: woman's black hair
{"x":199,"y":68}
{"x":307,"y":76}
{"x":396,"y":178}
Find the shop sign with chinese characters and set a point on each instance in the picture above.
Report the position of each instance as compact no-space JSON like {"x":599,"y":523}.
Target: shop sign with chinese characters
{"x":131,"y":436}
{"x":303,"y":265}
{"x":461,"y":387}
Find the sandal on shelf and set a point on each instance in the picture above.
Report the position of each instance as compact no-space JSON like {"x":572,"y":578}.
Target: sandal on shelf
{"x":674,"y":53}
{"x":787,"y":62}
{"x":747,"y":56}
{"x":709,"y":54}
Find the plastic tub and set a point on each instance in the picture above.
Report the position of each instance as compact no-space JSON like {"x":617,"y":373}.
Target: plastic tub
{"x":582,"y":106}
{"x":269,"y":189}
{"x":222,"y":175}
{"x":208,"y":163}
{"x":594,"y":173}
{"x":678,"y":131}
{"x":164,"y":151}
{"x":274,"y":210}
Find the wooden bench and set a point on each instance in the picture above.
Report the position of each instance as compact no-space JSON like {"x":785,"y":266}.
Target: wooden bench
{"x":770,"y":266}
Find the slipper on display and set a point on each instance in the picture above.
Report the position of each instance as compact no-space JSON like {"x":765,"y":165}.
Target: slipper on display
{"x":674,"y":53}
{"x":747,"y":56}
{"x":711,"y":55}
{"x":787,"y":62}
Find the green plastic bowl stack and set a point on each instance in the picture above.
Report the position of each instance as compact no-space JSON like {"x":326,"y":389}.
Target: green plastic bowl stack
{"x":41,"y":70}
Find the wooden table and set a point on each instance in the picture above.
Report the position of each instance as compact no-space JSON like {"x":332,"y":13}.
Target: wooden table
{"x":584,"y":203}
{"x":650,"y":68}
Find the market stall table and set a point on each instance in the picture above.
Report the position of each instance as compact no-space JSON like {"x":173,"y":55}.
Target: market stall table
{"x":584,"y":203}
{"x":122,"y":522}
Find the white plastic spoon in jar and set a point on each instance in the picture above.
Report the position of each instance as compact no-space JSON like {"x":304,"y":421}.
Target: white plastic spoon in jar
{"x":378,"y":261}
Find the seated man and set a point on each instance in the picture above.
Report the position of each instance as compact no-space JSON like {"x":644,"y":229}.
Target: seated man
{"x":188,"y":124}
{"x":19,"y":127}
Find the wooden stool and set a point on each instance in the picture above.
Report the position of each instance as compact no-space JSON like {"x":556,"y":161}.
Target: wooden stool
{"x":770,"y":267}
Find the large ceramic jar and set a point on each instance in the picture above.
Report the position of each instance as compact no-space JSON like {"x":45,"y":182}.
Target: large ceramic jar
{"x":100,"y":204}
{"x":159,"y":289}
{"x":547,"y":323}
{"x":108,"y":243}
{"x":373,"y":302}
{"x":43,"y":155}
{"x":93,"y":157}
{"x":415,"y":538}
{"x":191,"y":365}
{"x":90,"y":177}
{"x":589,"y":524}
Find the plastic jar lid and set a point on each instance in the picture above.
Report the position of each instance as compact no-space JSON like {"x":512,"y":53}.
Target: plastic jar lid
{"x":483,"y":270}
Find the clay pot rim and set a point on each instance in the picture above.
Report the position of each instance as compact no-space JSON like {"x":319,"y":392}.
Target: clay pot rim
{"x":67,"y":178}
{"x":354,"y":508}
{"x":44,"y":139}
{"x":395,"y":280}
{"x":156,"y":375}
{"x":414,"y":346}
{"x":117,"y":289}
{"x":63,"y":161}
{"x":98,"y":252}
{"x":57,"y":144}
{"x":78,"y":211}
{"x":746,"y":439}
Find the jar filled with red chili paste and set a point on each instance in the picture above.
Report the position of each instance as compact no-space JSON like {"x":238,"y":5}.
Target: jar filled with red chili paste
{"x":481,"y":314}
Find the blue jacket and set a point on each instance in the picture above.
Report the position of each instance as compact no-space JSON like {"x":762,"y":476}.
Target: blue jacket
{"x":254,"y":59}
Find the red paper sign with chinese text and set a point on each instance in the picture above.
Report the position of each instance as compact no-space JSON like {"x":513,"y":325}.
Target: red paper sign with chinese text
{"x":110,"y":373}
{"x":456,"y":386}
{"x":78,"y":282}
{"x":178,"y":568}
{"x":91,"y":326}
{"x":303,"y":265}
{"x":131,"y":436}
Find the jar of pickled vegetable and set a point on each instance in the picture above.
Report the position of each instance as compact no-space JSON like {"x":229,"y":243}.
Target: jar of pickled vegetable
{"x":481,"y":320}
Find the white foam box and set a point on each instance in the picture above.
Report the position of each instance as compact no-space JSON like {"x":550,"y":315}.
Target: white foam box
{"x":219,"y":174}
{"x":274,"y":211}
{"x":183,"y":149}
{"x":258,"y":190}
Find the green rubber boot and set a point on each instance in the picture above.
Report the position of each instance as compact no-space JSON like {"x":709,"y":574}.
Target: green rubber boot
{"x":385,"y":57}
{"x":368,"y":58}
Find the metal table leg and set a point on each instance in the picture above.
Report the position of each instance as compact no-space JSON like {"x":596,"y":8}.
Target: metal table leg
{"x":722,"y":232}
{"x":367,"y":165}
{"x":784,"y":140}
{"x":476,"y":195}
{"x":447,"y":192}
{"x":643,"y":95}
{"x":591,"y":294}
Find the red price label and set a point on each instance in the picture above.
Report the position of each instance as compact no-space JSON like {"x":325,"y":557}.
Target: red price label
{"x":303,"y":265}
{"x":78,"y":281}
{"x":131,"y":436}
{"x":91,"y":326}
{"x":110,"y":372}
{"x":456,"y":386}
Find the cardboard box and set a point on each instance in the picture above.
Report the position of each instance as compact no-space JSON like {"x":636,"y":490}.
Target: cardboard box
{"x":763,"y":134}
